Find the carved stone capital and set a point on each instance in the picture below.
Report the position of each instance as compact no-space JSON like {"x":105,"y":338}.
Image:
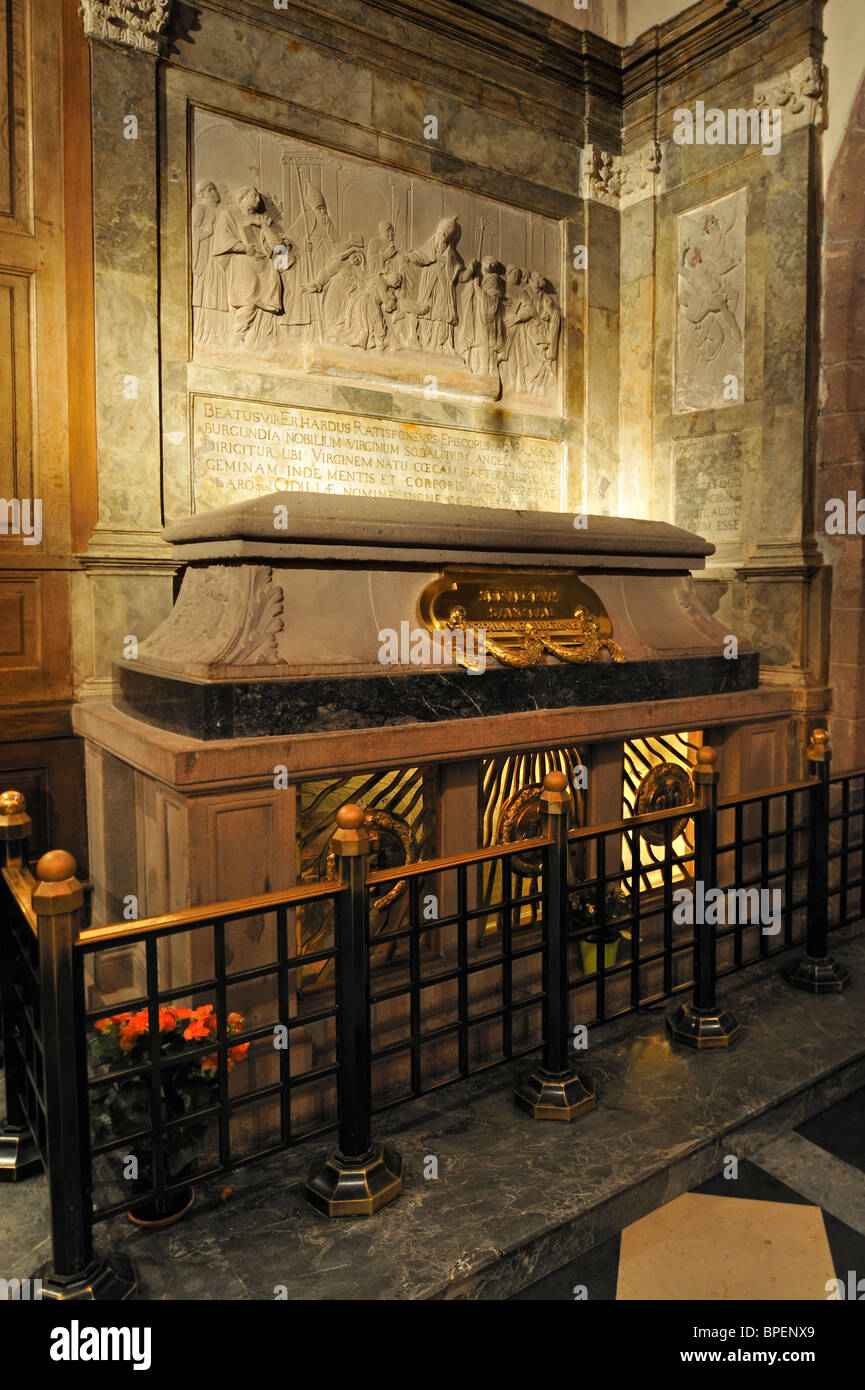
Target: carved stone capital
{"x":797,"y":94}
{"x":602,"y":176}
{"x":641,"y":172}
{"x":138,"y":24}
{"x":617,"y":180}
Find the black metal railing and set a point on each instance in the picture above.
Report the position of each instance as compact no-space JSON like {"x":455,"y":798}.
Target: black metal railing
{"x":145,"y":1054}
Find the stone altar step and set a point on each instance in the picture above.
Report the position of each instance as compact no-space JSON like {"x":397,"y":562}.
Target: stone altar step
{"x":514,"y":1199}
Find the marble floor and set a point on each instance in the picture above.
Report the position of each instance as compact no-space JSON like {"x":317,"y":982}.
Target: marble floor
{"x":527,"y":1209}
{"x":743,"y":1235}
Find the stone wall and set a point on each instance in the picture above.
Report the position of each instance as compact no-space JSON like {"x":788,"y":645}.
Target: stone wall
{"x":842,"y":433}
{"x":554,"y":150}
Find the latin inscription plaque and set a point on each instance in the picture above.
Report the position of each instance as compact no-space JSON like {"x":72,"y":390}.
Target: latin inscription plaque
{"x":708,"y":480}
{"x":245,"y":449}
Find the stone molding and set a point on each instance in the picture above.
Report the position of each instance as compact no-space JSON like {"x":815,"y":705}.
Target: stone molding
{"x":136,"y":24}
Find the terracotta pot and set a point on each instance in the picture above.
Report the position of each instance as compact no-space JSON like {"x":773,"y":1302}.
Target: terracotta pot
{"x":182,"y":1200}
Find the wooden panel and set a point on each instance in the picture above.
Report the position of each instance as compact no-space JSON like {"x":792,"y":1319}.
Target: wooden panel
{"x":19,"y":624}
{"x":16,"y":441}
{"x":15,"y":116}
{"x":37,"y":752}
{"x":34,"y":636}
{"x":50,"y":773}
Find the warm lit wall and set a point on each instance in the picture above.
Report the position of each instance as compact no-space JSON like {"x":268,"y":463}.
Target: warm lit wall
{"x":841,"y":454}
{"x":43,"y":404}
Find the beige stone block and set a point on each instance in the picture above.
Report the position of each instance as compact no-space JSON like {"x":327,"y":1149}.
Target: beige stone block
{"x":726,"y":1248}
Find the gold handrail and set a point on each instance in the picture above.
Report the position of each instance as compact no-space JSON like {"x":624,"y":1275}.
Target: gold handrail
{"x":21,"y":884}
{"x":198,"y":916}
{"x":745,"y":798}
{"x":613,"y":827}
{"x":453,"y":861}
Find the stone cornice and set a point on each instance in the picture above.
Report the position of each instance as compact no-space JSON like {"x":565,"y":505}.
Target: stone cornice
{"x":701,"y":33}
{"x":552,"y":61}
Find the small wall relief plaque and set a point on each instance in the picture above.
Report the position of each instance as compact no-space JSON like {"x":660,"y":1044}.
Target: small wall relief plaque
{"x":710,"y":311}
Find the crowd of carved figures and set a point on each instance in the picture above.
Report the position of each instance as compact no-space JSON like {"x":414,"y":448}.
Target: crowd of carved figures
{"x":254,"y":281}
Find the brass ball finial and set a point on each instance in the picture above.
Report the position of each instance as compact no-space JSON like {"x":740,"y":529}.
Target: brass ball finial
{"x":350,"y":816}
{"x":55,"y":866}
{"x":555,"y":782}
{"x":706,"y":756}
{"x":820,"y":737}
{"x":12,"y":803}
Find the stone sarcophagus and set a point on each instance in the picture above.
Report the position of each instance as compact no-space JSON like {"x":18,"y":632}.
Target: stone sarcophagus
{"x":301,"y":613}
{"x":431,"y":663}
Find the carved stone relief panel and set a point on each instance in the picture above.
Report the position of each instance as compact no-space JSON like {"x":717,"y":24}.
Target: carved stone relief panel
{"x":710,"y":311}
{"x":325,"y":263}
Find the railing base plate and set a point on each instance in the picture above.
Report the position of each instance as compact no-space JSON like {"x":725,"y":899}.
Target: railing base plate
{"x":343,"y":1186}
{"x":702,"y":1028}
{"x":556,"y":1096}
{"x":817,"y":975}
{"x":109,"y":1279}
{"x":19,"y":1156}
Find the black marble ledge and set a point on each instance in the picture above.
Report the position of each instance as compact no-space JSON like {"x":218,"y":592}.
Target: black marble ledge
{"x":316,"y":704}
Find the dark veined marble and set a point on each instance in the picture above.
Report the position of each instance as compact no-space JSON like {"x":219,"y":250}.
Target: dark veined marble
{"x":249,"y":709}
{"x":515,"y":1199}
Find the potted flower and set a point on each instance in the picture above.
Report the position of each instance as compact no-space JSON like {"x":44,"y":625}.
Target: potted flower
{"x":188,"y":1084}
{"x":582,"y":917}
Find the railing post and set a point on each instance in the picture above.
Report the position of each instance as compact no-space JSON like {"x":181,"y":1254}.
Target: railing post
{"x":74,"y":1271}
{"x":699,"y":1022}
{"x":357,"y":1177}
{"x":556,"y":1090}
{"x":19,"y":1156}
{"x":816,"y":971}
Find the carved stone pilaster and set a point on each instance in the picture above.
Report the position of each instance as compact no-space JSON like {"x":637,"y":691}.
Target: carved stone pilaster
{"x":797,"y":94}
{"x":136,"y":24}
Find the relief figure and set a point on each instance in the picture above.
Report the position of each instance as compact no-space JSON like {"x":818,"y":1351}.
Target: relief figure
{"x":209,"y":299}
{"x":246,"y":240}
{"x":443,"y":269}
